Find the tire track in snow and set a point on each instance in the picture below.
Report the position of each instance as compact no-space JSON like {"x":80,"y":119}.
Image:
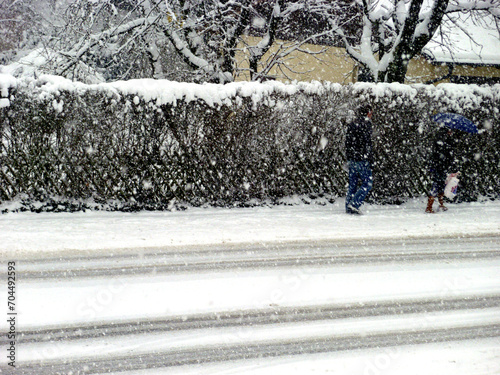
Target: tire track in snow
{"x":251,"y":318}
{"x":265,"y":349}
{"x":169,"y":261}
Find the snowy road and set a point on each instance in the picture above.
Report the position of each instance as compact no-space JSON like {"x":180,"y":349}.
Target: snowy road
{"x":300,"y":289}
{"x":153,"y":311}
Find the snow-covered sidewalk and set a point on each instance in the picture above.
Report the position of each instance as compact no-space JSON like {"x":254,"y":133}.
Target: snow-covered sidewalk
{"x":48,"y":232}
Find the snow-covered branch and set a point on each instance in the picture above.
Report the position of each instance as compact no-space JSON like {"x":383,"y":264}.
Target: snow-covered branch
{"x":394,"y":31}
{"x":87,"y":43}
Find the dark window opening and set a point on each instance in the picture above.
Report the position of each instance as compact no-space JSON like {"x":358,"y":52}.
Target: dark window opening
{"x":475,"y":80}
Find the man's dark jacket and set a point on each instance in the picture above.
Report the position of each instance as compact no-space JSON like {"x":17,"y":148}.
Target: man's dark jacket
{"x":358,"y":142}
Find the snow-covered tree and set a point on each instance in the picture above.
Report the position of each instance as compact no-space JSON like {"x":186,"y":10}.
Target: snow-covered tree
{"x":205,"y":37}
{"x":391,"y":32}
{"x":137,"y":38}
{"x":28,"y":29}
{"x":18,"y":22}
{"x":203,"y":40}
{"x":193,"y":40}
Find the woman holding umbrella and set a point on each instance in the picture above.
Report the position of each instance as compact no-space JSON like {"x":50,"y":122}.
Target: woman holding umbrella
{"x":443,"y":159}
{"x":441,"y":164}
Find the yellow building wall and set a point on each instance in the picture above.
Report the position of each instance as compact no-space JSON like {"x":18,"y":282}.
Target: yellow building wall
{"x":332,"y":64}
{"x":478,"y":71}
{"x":320,"y":63}
{"x":420,"y":70}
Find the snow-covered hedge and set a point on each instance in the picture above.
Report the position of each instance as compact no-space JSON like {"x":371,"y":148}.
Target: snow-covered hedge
{"x":151,"y":144}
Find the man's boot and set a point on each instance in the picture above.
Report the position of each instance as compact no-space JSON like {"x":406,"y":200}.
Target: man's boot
{"x":442,"y":207}
{"x":430,"y":202}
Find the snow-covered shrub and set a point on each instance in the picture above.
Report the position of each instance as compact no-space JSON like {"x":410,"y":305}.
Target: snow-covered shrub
{"x":147,"y":144}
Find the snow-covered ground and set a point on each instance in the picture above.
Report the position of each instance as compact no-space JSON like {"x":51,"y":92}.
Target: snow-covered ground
{"x":34,"y":233}
{"x":49,"y":302}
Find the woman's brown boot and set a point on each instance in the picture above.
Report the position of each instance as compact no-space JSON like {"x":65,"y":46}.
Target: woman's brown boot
{"x":442,"y":207}
{"x":430,"y":202}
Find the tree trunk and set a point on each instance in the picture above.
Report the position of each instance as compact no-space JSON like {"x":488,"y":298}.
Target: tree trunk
{"x":396,"y":71}
{"x":365,"y":74}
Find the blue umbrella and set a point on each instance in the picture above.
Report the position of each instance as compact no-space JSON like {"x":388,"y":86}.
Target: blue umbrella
{"x":454,"y":121}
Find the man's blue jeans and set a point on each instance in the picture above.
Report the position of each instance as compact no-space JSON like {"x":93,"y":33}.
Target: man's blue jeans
{"x":360,"y":173}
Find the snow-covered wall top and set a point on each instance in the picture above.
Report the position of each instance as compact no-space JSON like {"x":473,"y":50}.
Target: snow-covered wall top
{"x":169,"y":92}
{"x":6,"y":82}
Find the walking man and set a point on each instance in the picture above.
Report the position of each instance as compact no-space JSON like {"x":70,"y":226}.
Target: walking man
{"x":360,"y":157}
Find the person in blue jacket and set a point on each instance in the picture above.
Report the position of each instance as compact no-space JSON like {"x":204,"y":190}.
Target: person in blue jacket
{"x":359,"y":155}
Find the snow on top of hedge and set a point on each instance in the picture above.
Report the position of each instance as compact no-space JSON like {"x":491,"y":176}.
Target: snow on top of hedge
{"x":6,"y":82}
{"x":169,"y":92}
